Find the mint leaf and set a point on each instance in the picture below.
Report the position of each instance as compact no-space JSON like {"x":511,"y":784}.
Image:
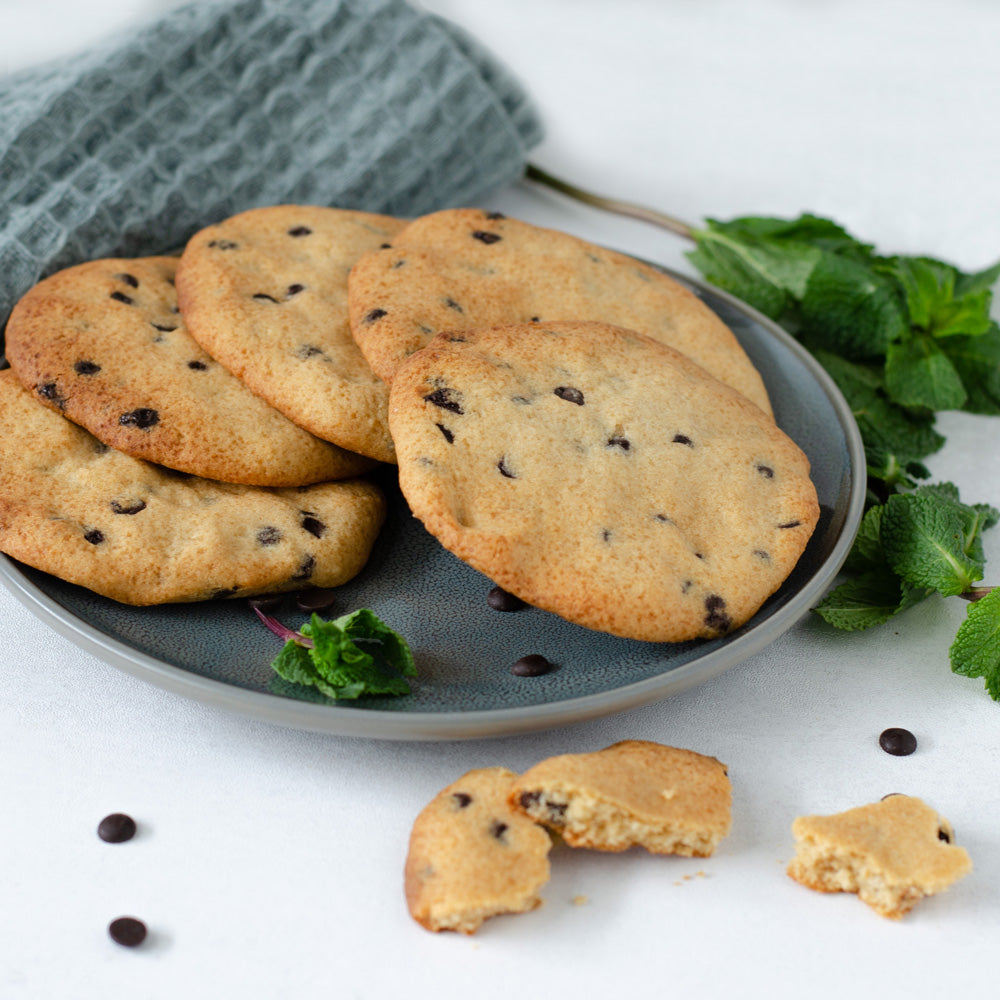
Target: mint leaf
{"x":866,"y":553}
{"x":850,"y":309}
{"x":918,"y":373}
{"x":976,"y":359}
{"x":355,"y":655}
{"x":767,"y":274}
{"x":976,"y":649}
{"x":868,"y":600}
{"x":930,"y":541}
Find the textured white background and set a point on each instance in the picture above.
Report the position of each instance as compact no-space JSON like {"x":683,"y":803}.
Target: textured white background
{"x":269,"y":861}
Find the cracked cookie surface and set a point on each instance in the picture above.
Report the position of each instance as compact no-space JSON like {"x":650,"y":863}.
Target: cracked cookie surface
{"x":596,"y":473}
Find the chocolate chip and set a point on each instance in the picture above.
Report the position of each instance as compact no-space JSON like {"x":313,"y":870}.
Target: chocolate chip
{"x":766,"y":471}
{"x":448,"y":435}
{"x":898,"y":742}
{"x":197,"y":366}
{"x":127,"y":931}
{"x":50,"y":391}
{"x":790,"y":524}
{"x":447,"y":399}
{"x":263,"y":297}
{"x":317,"y":599}
{"x":761,"y":554}
{"x":570,"y":394}
{"x":224,"y":593}
{"x":683,"y":439}
{"x":129,"y":279}
{"x":95,"y":536}
{"x":497,"y":829}
{"x":452,"y":304}
{"x":141,"y":418}
{"x":305,"y":569}
{"x":268,"y":535}
{"x":375,"y":314}
{"x":606,"y":535}
{"x":122,"y":297}
{"x":462,"y":800}
{"x":86,"y":368}
{"x":495,"y":215}
{"x":619,"y":442}
{"x":300,"y":231}
{"x":504,"y":470}
{"x":532,"y":665}
{"x":662,"y":518}
{"x":223,"y":244}
{"x":535,"y":319}
{"x":307,"y":351}
{"x":116,"y":828}
{"x":163,"y":328}
{"x":485,"y":237}
{"x":717,"y":618}
{"x":312,"y":524}
{"x":295,"y":289}
{"x":501,"y":600}
{"x":128,"y":508}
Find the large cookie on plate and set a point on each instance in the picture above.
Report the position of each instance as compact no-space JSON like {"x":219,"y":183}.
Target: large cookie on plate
{"x":265,"y":293}
{"x":141,"y":534}
{"x":103,"y":343}
{"x":599,"y":474}
{"x":464,"y":268}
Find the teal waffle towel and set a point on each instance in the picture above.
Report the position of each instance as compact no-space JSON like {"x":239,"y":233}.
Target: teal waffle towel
{"x":222,"y":106}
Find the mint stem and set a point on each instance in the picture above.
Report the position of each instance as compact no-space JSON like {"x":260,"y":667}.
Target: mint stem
{"x":975,"y":593}
{"x":282,"y":631}
{"x":676,"y":226}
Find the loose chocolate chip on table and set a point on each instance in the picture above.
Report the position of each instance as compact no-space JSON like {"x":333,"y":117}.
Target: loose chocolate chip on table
{"x":317,"y":599}
{"x":532,"y":665}
{"x":501,"y":600}
{"x":116,"y":828}
{"x":141,"y":418}
{"x":898,"y":742}
{"x":86,"y":368}
{"x":570,"y":394}
{"x":127,"y":931}
{"x":485,"y":237}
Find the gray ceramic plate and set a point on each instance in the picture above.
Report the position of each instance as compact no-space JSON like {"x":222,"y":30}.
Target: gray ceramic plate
{"x":219,"y":654}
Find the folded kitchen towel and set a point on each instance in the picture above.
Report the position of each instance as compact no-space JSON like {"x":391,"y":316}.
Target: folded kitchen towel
{"x":221,"y":106}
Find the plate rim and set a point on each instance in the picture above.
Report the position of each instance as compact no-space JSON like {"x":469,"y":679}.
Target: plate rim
{"x":483,"y":723}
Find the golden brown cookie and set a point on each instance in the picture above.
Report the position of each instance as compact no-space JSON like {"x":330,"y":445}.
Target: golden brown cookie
{"x":265,"y":293}
{"x":891,"y":853}
{"x":599,"y":474}
{"x":636,"y":792}
{"x":141,"y":534}
{"x":472,"y":857}
{"x":464,"y":268}
{"x":103,"y":344}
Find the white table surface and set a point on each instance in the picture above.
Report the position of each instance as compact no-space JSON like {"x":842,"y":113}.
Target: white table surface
{"x":268,"y":862}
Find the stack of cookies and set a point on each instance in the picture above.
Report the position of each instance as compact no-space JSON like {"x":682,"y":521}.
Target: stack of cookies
{"x":572,"y":423}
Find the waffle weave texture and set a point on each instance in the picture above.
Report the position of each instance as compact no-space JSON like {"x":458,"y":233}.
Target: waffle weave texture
{"x":218,"y":107}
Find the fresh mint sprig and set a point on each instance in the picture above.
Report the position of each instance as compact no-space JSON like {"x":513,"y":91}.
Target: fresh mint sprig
{"x":903,"y":337}
{"x":354,"y":655}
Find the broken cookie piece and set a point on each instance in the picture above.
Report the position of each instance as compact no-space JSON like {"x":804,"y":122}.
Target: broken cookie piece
{"x":891,"y":853}
{"x":636,"y":792}
{"x":472,"y":857}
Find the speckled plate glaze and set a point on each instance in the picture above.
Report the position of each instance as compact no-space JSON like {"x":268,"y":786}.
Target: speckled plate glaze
{"x":219,"y":654}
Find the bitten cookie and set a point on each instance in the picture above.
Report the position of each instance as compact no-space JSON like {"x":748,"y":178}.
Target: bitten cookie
{"x":265,"y":293}
{"x":596,"y":473}
{"x":140,"y":534}
{"x":666,"y":800}
{"x":472,"y":857}
{"x":103,"y":344}
{"x":891,"y":853}
{"x":464,"y":268}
